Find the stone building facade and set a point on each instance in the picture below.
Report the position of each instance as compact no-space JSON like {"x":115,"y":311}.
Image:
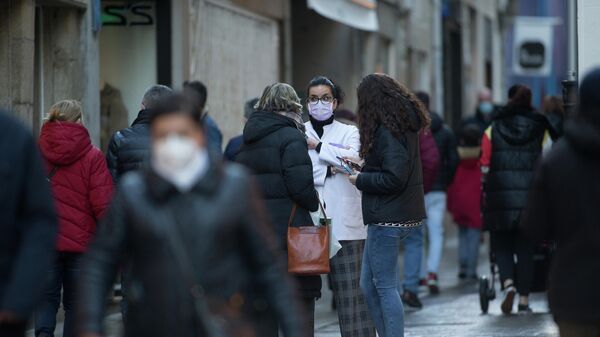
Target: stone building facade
{"x":56,"y":49}
{"x":48,"y":52}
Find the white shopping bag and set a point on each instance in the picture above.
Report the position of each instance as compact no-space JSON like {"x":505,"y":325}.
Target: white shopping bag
{"x":334,"y":244}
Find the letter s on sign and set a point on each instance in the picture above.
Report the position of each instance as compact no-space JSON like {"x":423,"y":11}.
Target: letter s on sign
{"x":141,"y":18}
{"x":113,"y":17}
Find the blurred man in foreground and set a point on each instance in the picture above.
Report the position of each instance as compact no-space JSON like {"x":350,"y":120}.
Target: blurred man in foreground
{"x":201,"y":260}
{"x":28,"y":226}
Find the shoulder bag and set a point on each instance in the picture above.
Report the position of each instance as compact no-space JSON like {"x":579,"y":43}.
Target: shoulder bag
{"x":308,"y":246}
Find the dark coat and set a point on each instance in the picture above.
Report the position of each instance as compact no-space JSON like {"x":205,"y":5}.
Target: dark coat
{"x":233,"y":147}
{"x":214,"y":137}
{"x":392,"y":179}
{"x":129,"y":149}
{"x":563,"y":206}
{"x":221,"y":229}
{"x":81,"y":185}
{"x":480,"y":119}
{"x":430,"y":159}
{"x":277,"y":154}
{"x":556,"y":122}
{"x":517,"y":137}
{"x":447,"y":148}
{"x":27,"y":220}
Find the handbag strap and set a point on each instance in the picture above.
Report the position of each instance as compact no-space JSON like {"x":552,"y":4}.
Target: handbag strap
{"x":295,"y":207}
{"x":52,"y":173}
{"x":182,"y":258}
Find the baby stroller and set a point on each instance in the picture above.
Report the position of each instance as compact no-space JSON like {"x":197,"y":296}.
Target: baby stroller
{"x":541,"y":261}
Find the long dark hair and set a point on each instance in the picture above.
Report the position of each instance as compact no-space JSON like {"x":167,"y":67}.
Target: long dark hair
{"x":384,"y":101}
{"x":336,"y":91}
{"x":521,"y":98}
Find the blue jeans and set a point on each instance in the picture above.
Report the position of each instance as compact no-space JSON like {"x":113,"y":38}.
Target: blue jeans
{"x":62,"y":276}
{"x":413,"y":254}
{"x":380,"y":277}
{"x":435,"y":203}
{"x":468,"y":250}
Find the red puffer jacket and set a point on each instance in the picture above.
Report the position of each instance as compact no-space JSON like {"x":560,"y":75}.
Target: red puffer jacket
{"x":81,"y":184}
{"x":464,"y":194}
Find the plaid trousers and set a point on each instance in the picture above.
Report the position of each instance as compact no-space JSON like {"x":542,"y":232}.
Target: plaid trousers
{"x":353,"y":314}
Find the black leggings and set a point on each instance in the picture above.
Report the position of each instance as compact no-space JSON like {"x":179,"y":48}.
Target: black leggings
{"x":269,"y":327}
{"x":507,"y":244}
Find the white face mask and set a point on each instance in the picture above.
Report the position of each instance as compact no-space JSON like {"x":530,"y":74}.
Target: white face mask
{"x":321,"y":111}
{"x":179,"y":160}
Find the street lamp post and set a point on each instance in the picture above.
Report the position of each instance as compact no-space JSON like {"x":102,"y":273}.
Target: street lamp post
{"x":569,"y":86}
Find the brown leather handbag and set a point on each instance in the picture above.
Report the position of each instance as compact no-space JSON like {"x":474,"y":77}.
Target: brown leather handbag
{"x":308,"y":246}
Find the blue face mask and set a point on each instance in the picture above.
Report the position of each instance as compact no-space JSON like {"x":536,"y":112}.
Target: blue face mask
{"x":486,"y":108}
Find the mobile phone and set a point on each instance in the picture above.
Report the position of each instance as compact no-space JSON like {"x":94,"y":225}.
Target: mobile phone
{"x":355,"y":166}
{"x":345,"y":166}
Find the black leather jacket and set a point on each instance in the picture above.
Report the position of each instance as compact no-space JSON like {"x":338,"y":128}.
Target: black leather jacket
{"x":129,"y":149}
{"x":392,"y":179}
{"x":231,"y":251}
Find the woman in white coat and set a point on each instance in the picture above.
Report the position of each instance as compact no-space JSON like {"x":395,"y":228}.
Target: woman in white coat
{"x":328,"y":141}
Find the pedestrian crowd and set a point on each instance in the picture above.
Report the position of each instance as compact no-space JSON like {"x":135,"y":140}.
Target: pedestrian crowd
{"x":204,"y":243}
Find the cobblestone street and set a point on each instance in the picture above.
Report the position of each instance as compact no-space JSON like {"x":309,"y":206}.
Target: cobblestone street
{"x":453,"y":313}
{"x":456,"y":312}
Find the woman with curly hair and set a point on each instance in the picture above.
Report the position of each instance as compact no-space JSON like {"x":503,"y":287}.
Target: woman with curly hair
{"x":391,"y":180}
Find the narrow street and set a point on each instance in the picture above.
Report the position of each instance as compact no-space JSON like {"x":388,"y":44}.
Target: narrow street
{"x":456,"y":312}
{"x":453,"y":313}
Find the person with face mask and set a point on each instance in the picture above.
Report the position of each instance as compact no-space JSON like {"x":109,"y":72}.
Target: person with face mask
{"x":484,"y":112}
{"x":201,"y":259}
{"x":328,"y":141}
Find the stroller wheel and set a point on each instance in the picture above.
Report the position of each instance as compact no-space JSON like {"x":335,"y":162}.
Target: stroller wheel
{"x":484,"y":294}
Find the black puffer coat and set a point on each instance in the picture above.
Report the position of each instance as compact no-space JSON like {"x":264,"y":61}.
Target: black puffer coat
{"x":230,"y":257}
{"x":563,"y":206}
{"x":276,"y":152}
{"x":447,"y":147}
{"x":517,"y":137}
{"x":129,"y":149}
{"x":392,"y":179}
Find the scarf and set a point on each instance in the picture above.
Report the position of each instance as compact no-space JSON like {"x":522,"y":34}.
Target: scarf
{"x":296,"y":117}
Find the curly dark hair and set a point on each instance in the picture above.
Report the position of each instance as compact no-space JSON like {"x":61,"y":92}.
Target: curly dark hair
{"x":384,"y":101}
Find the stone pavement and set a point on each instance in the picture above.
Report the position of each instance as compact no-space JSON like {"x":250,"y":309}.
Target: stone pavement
{"x":453,"y":313}
{"x":456,"y":312}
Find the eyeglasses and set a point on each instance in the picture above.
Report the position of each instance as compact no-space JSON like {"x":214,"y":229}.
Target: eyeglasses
{"x":325,"y":99}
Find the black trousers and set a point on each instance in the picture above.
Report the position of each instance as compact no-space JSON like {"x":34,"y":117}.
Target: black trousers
{"x":506,"y":245}
{"x":575,"y":329}
{"x":12,"y":330}
{"x":269,"y":327}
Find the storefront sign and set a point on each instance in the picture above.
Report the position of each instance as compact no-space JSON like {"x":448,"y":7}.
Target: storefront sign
{"x":121,"y":13}
{"x":533,"y":43}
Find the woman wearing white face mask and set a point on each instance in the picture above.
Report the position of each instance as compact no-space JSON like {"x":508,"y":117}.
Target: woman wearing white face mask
{"x":328,"y":141}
